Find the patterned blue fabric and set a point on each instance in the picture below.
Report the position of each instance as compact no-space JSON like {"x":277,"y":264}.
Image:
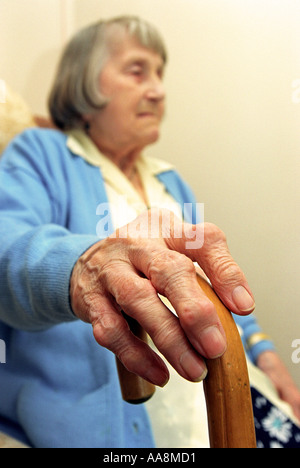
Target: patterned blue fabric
{"x":273,"y":428}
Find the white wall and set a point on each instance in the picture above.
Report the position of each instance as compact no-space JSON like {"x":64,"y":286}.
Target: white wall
{"x":232,"y":126}
{"x":31,"y":35}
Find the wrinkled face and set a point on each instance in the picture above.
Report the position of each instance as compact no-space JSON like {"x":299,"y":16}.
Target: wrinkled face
{"x":132,"y":80}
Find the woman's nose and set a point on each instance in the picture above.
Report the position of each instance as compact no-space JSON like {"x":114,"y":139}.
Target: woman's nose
{"x":156,"y":90}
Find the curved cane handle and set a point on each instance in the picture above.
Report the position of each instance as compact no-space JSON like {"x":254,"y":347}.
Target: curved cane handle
{"x":227,"y":387}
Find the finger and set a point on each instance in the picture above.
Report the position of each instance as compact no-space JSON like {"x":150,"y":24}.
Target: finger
{"x":173,"y":275}
{"x":214,"y":258}
{"x":112,"y":331}
{"x":137,"y":297}
{"x":226,"y":276}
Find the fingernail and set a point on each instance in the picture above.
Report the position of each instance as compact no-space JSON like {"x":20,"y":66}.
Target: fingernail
{"x":213,"y":342}
{"x":195,"y":370}
{"x":242,"y":299}
{"x":156,"y":376}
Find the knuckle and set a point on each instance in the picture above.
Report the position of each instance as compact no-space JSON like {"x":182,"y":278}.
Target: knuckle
{"x":194,"y":314}
{"x":126,"y":288}
{"x":132,"y":292}
{"x":220,"y":266}
{"x":213,"y":234}
{"x":227,"y":272}
{"x":109,"y":330}
{"x":169,"y":269}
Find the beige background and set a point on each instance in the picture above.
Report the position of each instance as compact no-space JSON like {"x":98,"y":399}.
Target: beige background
{"x":232,"y":126}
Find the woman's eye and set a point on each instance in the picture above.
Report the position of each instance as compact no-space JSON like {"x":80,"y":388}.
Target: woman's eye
{"x":137,"y":71}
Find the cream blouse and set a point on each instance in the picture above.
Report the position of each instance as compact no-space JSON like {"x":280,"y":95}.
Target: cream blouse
{"x":125,"y":202}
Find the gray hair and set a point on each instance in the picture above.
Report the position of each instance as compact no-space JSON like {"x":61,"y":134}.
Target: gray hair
{"x":75,"y":91}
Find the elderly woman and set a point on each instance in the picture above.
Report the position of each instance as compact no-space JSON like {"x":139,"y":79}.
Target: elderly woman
{"x":71,"y":258}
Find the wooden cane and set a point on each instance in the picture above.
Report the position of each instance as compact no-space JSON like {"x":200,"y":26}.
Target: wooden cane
{"x":227,"y":387}
{"x":135,"y":389}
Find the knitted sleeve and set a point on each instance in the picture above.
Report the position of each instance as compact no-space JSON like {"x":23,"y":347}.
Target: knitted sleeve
{"x":37,"y":254}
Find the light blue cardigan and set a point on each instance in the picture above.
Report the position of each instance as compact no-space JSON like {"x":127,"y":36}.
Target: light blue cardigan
{"x":58,"y":388}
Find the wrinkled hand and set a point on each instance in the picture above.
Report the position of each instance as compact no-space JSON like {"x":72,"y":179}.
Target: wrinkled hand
{"x":127,"y":270}
{"x":270,"y":363}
